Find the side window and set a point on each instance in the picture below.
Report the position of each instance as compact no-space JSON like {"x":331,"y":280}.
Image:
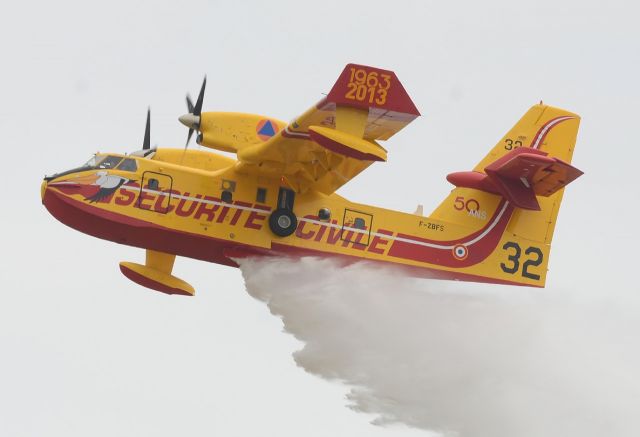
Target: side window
{"x":109,"y":162}
{"x":153,"y":184}
{"x":261,"y":195}
{"x":227,"y":197}
{"x":128,"y":164}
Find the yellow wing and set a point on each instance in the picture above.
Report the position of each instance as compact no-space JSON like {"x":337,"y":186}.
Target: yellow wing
{"x":336,"y":139}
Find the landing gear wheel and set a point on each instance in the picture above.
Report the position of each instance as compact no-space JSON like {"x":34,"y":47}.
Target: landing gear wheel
{"x":283,"y":222}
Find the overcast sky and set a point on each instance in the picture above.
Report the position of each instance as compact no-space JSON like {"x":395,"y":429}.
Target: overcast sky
{"x":83,"y":351}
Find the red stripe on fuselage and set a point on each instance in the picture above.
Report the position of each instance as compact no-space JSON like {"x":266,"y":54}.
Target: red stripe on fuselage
{"x":478,"y":249}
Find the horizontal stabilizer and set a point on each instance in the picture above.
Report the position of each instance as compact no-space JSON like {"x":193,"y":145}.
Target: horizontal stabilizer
{"x":520,"y":176}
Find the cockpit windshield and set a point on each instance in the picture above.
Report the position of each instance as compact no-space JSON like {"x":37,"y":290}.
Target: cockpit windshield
{"x":129,"y":164}
{"x":101,"y":162}
{"x":109,"y":162}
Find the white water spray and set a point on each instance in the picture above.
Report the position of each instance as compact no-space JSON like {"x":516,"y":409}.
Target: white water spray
{"x":485,"y":362}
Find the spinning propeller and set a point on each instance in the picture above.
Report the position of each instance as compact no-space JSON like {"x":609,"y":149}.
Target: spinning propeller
{"x":192,"y":119}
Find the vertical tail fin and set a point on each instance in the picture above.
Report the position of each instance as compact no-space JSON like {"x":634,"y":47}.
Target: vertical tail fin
{"x":529,"y":167}
{"x":543,"y":127}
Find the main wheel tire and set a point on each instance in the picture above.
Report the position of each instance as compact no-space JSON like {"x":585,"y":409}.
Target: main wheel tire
{"x":283,"y":222}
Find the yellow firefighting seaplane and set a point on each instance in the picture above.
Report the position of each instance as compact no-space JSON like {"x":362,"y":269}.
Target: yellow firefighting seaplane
{"x":279,"y":195}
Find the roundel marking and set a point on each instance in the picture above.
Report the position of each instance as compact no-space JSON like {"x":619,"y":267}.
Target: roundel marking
{"x":265,"y":129}
{"x":460,"y":252}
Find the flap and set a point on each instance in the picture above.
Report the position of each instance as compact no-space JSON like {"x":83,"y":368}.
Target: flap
{"x":347,"y":144}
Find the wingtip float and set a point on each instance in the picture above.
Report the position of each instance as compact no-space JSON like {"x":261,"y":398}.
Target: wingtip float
{"x":278,"y":196}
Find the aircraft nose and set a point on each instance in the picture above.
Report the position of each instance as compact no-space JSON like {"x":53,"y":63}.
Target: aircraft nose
{"x":189,"y":120}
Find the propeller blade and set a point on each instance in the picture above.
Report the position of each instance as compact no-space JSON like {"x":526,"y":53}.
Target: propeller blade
{"x":188,"y":139}
{"x":192,"y":119}
{"x":146,"y":143}
{"x":189,"y":104}
{"x":197,"y":109}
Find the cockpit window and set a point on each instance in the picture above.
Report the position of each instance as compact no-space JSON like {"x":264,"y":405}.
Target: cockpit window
{"x":110,"y":162}
{"x":128,"y":165}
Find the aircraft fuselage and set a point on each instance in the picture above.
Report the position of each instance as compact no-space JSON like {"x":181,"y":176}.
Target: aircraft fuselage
{"x":217,"y":214}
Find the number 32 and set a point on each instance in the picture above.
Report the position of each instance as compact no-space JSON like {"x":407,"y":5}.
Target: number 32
{"x":514,"y":259}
